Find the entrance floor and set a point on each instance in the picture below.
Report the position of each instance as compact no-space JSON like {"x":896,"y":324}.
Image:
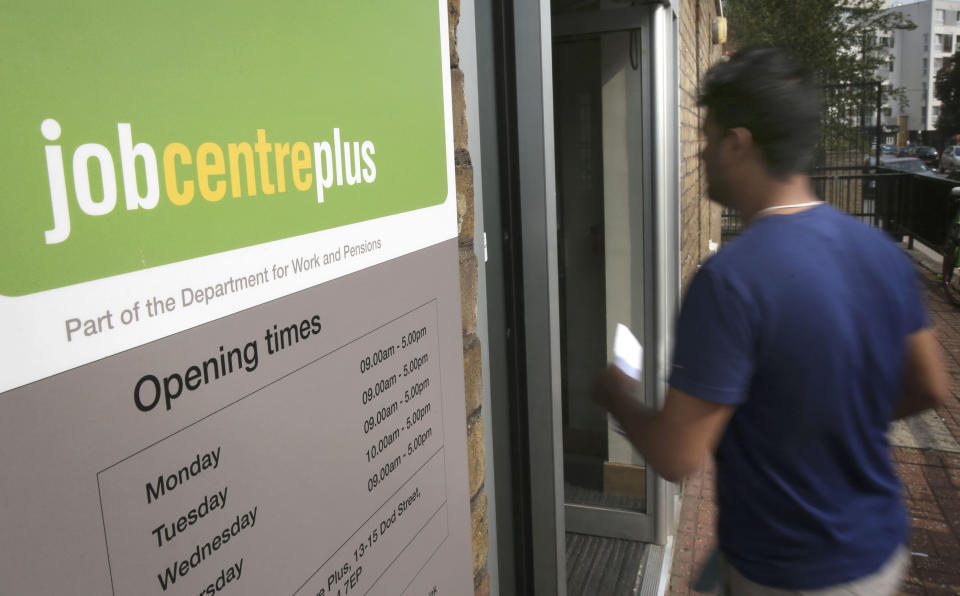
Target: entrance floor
{"x":598,"y":565}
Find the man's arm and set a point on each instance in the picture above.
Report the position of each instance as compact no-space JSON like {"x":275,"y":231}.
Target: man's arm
{"x":675,"y":440}
{"x":925,"y":381}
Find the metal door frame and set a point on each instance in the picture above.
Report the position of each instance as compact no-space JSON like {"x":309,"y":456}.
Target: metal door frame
{"x":521,"y":221}
{"x":660,"y":237}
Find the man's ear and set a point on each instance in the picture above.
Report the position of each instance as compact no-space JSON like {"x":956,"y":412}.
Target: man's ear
{"x":741,"y":141}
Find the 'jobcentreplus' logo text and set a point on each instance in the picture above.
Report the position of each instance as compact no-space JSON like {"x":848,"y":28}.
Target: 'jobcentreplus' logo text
{"x":208,"y":170}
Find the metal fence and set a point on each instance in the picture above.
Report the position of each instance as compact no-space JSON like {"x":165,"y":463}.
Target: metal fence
{"x":844,"y":172}
{"x":851,"y":126}
{"x":854,"y":193}
{"x":920,"y":207}
{"x":915,"y":206}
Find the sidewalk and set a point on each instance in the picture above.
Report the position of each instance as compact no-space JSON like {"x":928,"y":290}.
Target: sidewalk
{"x":927,"y":454}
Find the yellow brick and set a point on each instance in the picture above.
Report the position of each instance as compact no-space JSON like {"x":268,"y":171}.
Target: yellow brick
{"x":476,"y":455}
{"x":472,"y":373}
{"x":468,"y":290}
{"x":482,"y":583}
{"x":465,"y":202}
{"x":480,"y":536}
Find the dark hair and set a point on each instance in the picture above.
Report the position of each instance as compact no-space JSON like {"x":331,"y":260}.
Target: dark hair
{"x":773,"y":97}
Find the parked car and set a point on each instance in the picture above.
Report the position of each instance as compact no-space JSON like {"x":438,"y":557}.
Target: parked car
{"x":912,"y":165}
{"x":909,"y":165}
{"x":950,"y":159}
{"x":927,"y":155}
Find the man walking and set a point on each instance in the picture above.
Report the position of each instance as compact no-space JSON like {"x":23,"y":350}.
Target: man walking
{"x":796,"y":346}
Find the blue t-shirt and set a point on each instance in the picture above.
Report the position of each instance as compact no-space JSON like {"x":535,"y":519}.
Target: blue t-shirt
{"x":802,"y":323}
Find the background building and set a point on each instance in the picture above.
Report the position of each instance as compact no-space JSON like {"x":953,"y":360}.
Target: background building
{"x":915,"y":56}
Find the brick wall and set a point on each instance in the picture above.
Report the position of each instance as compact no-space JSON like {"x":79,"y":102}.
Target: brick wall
{"x":699,"y":219}
{"x":468,"y":295}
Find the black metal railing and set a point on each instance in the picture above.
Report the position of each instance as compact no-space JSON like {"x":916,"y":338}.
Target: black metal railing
{"x":921,"y":208}
{"x":851,"y":135}
{"x":850,"y":125}
{"x":845,"y":174}
{"x":916,"y":206}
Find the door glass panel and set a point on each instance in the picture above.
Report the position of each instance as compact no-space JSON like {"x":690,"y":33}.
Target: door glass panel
{"x":598,"y":140}
{"x":566,"y":6}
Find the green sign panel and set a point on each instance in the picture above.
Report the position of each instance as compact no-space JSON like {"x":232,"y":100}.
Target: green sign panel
{"x":142,"y":134}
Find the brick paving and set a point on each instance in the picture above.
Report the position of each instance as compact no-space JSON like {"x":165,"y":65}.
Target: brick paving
{"x":930,"y":477}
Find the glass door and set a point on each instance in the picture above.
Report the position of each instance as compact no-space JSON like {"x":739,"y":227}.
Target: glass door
{"x":580,"y":197}
{"x":600,"y":126}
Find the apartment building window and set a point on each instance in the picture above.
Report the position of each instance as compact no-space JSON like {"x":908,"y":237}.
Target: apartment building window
{"x":891,"y":63}
{"x":940,"y":16}
{"x":924,"y":91}
{"x":936,"y":111}
{"x":937,"y":64}
{"x":925,"y":65}
{"x":926,"y":41}
{"x":943,"y":43}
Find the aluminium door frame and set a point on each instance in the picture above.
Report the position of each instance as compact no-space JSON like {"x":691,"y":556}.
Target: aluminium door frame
{"x":660,"y":237}
{"x":542,"y":517}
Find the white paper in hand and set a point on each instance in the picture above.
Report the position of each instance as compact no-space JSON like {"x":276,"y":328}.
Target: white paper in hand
{"x":627,"y":352}
{"x":628,"y":357}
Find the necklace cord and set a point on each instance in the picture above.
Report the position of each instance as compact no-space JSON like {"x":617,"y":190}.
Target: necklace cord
{"x":790,"y":206}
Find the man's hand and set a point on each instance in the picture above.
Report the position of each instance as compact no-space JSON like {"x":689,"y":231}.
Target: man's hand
{"x":925,"y":380}
{"x":675,"y":440}
{"x":612,"y":386}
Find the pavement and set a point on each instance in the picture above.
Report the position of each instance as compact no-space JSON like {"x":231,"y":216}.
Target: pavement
{"x":926,"y":450}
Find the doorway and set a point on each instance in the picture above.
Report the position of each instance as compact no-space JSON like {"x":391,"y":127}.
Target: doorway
{"x":601,"y":175}
{"x":587,"y":214}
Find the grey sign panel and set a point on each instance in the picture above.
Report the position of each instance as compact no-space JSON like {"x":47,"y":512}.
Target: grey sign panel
{"x":310,"y":445}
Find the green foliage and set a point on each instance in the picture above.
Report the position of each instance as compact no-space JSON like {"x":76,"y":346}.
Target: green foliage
{"x":837,"y":39}
{"x":947,"y":90}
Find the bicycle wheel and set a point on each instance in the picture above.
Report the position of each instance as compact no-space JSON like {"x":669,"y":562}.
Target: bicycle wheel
{"x":950,"y":255}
